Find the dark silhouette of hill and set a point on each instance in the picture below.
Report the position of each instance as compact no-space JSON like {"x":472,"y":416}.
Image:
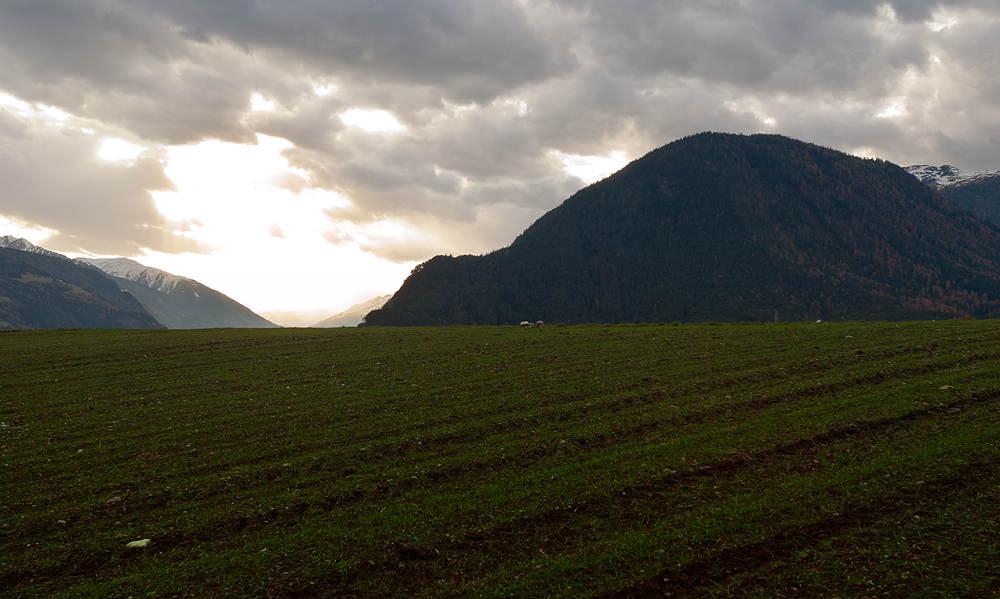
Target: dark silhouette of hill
{"x":39,"y":291}
{"x":721,"y":227}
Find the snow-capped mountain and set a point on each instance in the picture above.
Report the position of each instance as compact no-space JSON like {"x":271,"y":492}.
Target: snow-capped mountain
{"x":123,"y":268}
{"x":352,"y":316}
{"x":19,"y":243}
{"x":977,"y":191}
{"x":177,"y":302}
{"x":948,"y":176}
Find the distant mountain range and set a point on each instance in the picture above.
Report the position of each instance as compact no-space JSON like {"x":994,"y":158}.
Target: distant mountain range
{"x":16,"y":243}
{"x":177,"y":302}
{"x":297,"y":318}
{"x":43,"y":289}
{"x":353,"y":316}
{"x":726,"y":228}
{"x":940,"y":177}
{"x":979,"y":191}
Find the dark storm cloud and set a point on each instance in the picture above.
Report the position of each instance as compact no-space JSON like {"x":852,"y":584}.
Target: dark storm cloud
{"x":781,"y":45}
{"x":471,"y":50}
{"x":491,"y":93}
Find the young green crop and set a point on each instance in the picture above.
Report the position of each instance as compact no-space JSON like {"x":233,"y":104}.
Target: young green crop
{"x":753,"y":460}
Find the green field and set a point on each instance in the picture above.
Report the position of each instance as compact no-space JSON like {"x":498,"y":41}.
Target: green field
{"x":833,"y":460}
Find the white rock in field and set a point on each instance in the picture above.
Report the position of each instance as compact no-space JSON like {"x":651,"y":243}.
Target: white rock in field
{"x":141,"y":543}
{"x":525,"y":323}
{"x":945,"y":387}
{"x":540,"y":323}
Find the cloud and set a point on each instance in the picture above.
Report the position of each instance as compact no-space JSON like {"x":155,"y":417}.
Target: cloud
{"x":470,"y":51}
{"x":53,"y":177}
{"x":276,"y":231}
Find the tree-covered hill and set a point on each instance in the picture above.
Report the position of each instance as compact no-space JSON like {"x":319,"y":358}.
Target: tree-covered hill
{"x":982,"y":197}
{"x":39,"y":291}
{"x":721,"y":227}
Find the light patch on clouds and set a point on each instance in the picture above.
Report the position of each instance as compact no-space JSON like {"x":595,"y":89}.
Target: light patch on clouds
{"x":55,"y":114}
{"x":517,"y":104}
{"x":393,"y":239}
{"x":593,"y":168}
{"x":751,"y":106}
{"x":229,"y":196}
{"x":54,"y":181}
{"x":32,"y":233}
{"x":941,"y":21}
{"x":324,"y":90}
{"x":259,"y":104}
{"x":12,"y":102}
{"x":894,"y":109}
{"x":266,"y":275}
{"x":371,"y":120}
{"x":118,"y":149}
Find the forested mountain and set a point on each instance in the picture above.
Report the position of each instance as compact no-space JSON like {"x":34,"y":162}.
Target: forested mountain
{"x":720,"y":227}
{"x":41,"y":291}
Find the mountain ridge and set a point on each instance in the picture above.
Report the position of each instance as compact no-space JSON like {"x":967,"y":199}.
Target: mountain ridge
{"x":354,"y":315}
{"x":940,"y":177}
{"x":41,"y":291}
{"x":978,"y":191}
{"x":728,"y":228}
{"x":178,"y":302}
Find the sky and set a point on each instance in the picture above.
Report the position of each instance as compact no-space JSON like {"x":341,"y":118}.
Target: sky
{"x":298,"y":154}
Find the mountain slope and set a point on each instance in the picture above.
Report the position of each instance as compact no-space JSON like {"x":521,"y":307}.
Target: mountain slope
{"x":177,"y":302}
{"x":729,"y":228}
{"x":353,"y":316}
{"x":42,"y":291}
{"x":978,"y":191}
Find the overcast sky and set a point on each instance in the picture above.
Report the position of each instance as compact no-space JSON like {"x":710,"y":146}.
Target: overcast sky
{"x":301,"y":154}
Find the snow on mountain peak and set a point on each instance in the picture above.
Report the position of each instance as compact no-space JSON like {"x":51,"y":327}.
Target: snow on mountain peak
{"x":19,"y":243}
{"x":123,"y":268}
{"x":947,"y":176}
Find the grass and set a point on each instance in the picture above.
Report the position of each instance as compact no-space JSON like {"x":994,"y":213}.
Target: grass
{"x":833,"y":460}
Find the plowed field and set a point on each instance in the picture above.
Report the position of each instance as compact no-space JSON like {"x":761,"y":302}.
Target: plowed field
{"x":808,"y":460}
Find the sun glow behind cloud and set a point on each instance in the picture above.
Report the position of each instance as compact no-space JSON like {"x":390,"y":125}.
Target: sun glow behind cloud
{"x":592,"y":168}
{"x":894,"y":109}
{"x":114,"y":150}
{"x":15,"y":228}
{"x":259,"y":104}
{"x":371,"y":120}
{"x":263,"y":230}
